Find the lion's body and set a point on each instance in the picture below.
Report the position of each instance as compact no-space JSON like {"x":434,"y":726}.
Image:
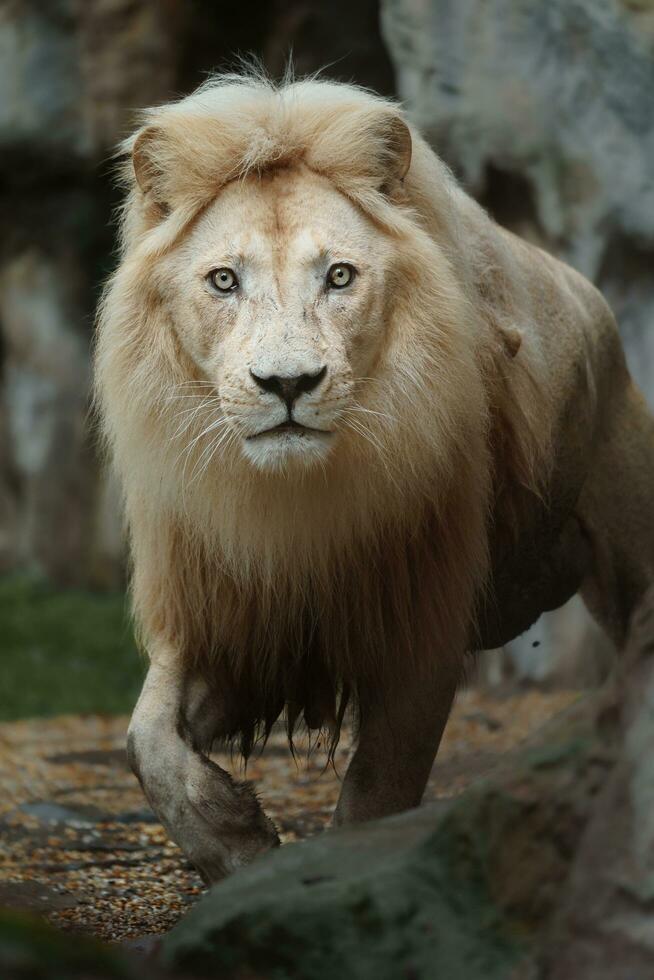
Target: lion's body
{"x":601,"y":464}
{"x":500,"y":460}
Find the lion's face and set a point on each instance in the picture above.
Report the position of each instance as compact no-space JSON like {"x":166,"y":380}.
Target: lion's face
{"x":279,"y":297}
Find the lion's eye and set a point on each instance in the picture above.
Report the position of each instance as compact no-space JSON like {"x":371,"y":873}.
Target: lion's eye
{"x":340,"y":275}
{"x":224,"y":280}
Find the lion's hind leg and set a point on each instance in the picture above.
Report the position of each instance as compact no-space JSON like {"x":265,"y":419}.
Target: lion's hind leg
{"x":616,"y":508}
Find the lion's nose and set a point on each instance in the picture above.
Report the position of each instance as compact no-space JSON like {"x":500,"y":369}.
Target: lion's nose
{"x":289,"y":388}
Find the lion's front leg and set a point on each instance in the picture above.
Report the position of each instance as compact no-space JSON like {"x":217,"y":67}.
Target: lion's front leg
{"x":398,"y":739}
{"x":217,"y":821}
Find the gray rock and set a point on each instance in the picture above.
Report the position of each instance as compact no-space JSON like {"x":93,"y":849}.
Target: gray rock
{"x":566,"y":647}
{"x":46,"y":381}
{"x":72,"y":75}
{"x":405,"y":897}
{"x":40,"y":109}
{"x":605,"y":928}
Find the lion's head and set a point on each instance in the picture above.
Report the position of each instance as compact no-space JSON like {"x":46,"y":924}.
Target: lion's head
{"x":280,"y":295}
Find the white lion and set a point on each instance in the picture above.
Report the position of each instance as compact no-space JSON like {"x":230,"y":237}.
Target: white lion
{"x":361,"y":430}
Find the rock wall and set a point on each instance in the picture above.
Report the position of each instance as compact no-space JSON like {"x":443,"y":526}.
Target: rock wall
{"x":69,"y":73}
{"x":545,"y":111}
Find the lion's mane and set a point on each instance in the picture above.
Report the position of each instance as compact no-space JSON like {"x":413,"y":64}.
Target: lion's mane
{"x":299,"y":592}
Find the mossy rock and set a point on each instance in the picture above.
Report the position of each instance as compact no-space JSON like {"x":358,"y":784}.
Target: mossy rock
{"x":406,"y":897}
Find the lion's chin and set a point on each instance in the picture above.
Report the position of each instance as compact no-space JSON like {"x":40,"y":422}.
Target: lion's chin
{"x":285,"y":449}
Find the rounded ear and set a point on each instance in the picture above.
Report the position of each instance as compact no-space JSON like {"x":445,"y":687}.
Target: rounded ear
{"x":147,"y":170}
{"x":398,"y":142}
{"x":394,"y":138}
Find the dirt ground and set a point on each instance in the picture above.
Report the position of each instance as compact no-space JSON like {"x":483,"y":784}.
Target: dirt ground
{"x":79,"y":845}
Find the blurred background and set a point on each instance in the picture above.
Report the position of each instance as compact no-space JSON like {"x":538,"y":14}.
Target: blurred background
{"x":543,"y":108}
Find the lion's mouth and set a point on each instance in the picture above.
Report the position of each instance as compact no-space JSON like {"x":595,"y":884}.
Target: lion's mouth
{"x":290,"y":426}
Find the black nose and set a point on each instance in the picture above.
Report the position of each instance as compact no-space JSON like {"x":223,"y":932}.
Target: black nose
{"x":288,"y":389}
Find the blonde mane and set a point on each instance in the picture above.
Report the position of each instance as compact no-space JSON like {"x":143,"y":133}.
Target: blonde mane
{"x":297,"y":591}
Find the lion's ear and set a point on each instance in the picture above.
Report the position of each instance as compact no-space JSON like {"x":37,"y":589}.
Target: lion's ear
{"x":396,"y":143}
{"x":389,"y":141}
{"x":148,"y":169}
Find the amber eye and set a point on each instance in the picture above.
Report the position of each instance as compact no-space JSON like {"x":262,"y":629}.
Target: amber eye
{"x":340,"y":275}
{"x":224,"y":280}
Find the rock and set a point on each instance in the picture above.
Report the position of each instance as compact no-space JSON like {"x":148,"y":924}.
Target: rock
{"x":46,"y":381}
{"x":456,"y":890}
{"x":72,"y":75}
{"x":566,"y":648}
{"x":40,"y":79}
{"x":385,"y":901}
{"x":604,"y":929}
{"x":127,"y":60}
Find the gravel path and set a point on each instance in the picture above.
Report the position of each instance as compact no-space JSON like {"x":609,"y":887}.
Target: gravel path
{"x":79,"y":845}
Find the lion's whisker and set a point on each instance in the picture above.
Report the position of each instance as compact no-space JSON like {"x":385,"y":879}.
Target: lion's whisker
{"x":370,"y":411}
{"x":358,"y":425}
{"x":216,"y":424}
{"x":382,"y":382}
{"x":173,"y":398}
{"x":225,"y":439}
{"x":207,"y":403}
{"x":188,"y":384}
{"x":202,"y":464}
{"x":192,"y":413}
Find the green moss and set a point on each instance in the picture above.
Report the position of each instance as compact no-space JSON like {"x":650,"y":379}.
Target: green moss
{"x":64,"y":652}
{"x":558,"y":753}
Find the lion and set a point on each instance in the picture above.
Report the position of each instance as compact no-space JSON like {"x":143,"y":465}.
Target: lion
{"x":362,"y":432}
